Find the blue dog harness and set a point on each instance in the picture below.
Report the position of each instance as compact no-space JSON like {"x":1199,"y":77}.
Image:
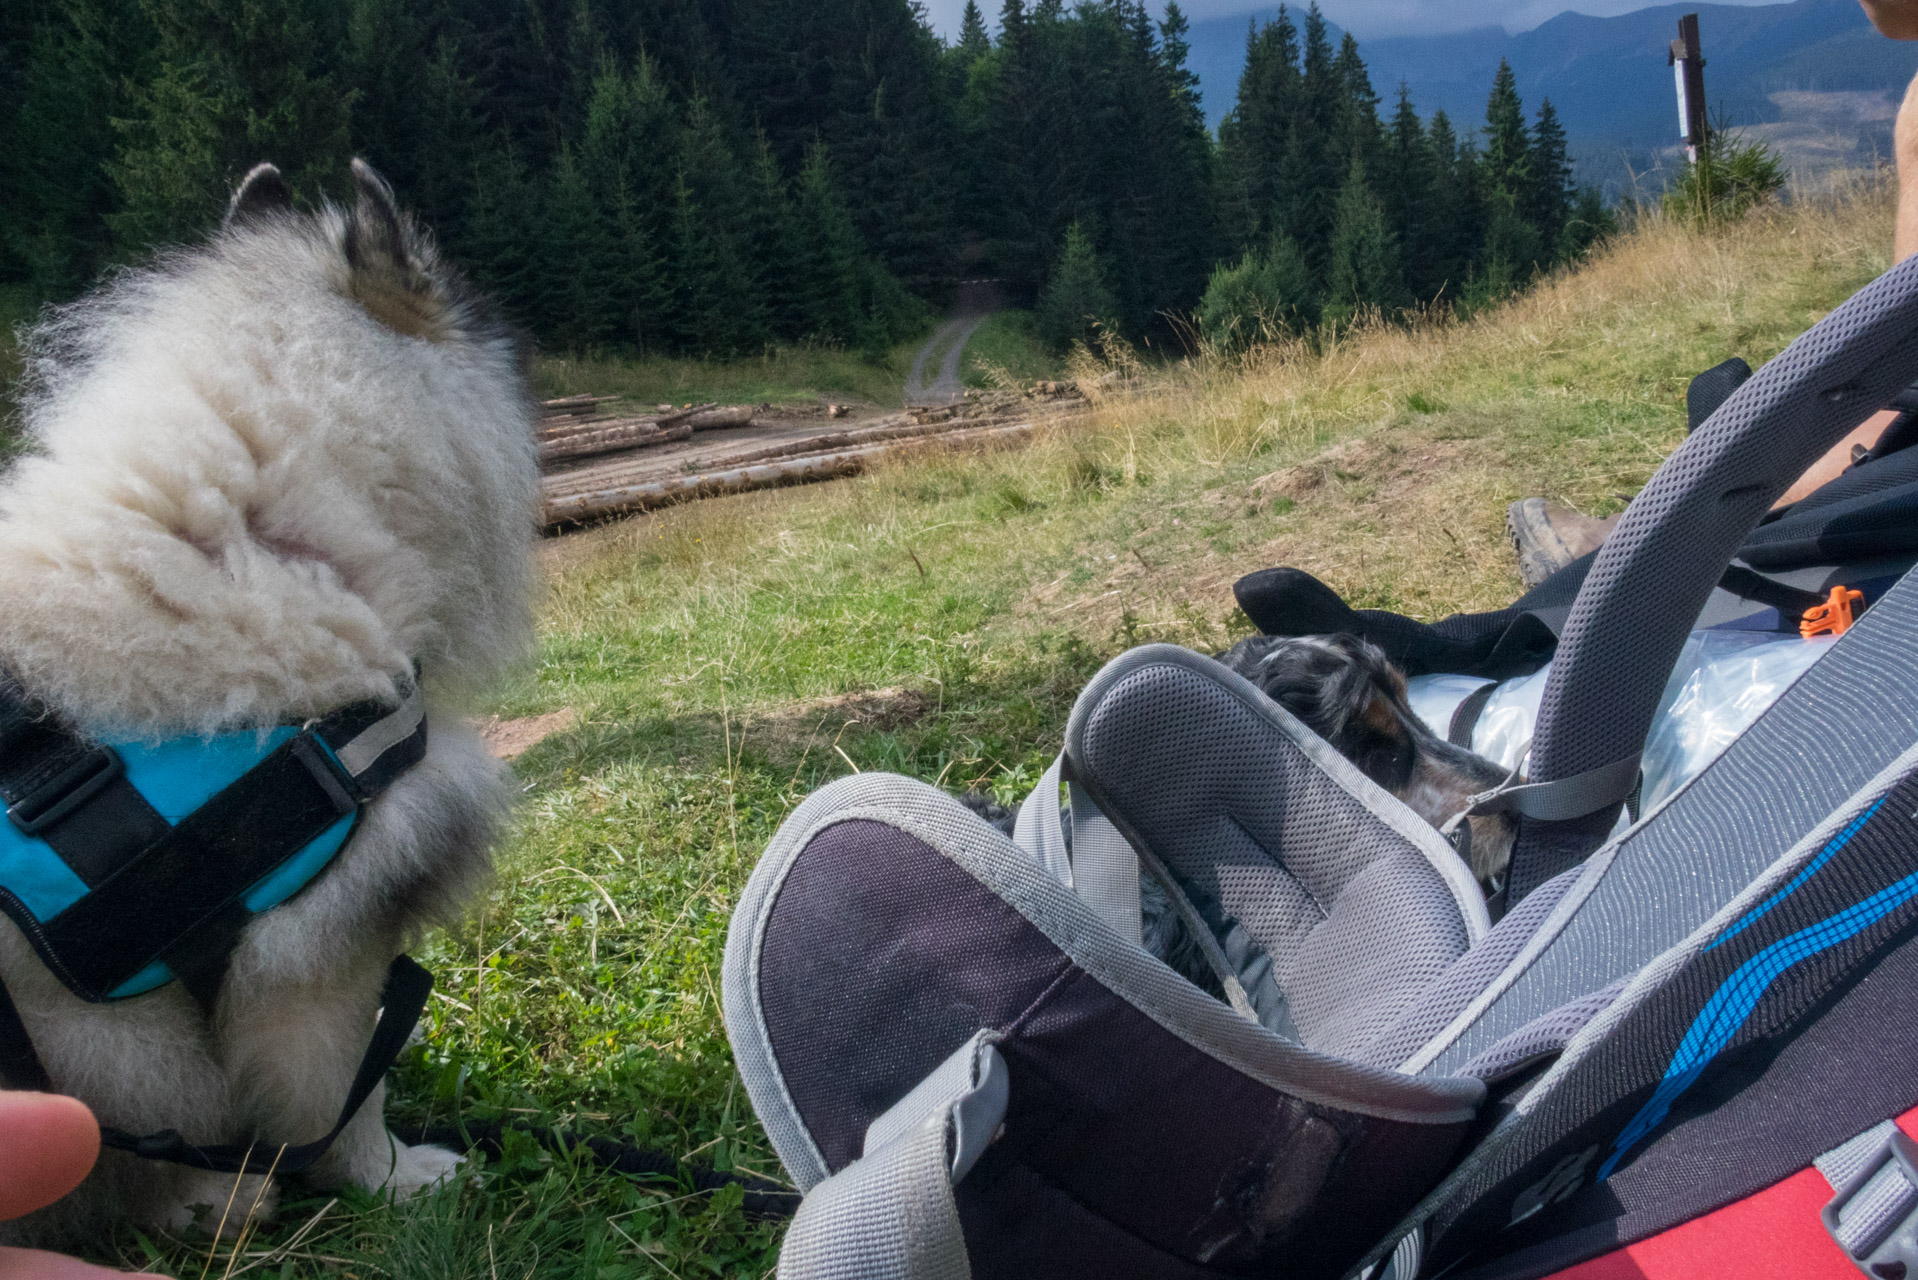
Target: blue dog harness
{"x":128,"y":865}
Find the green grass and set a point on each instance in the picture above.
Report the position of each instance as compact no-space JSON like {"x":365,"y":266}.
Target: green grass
{"x":936,"y":618}
{"x":1006,"y":350}
{"x":782,"y":375}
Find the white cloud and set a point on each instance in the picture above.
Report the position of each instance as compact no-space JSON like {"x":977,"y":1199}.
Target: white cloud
{"x":1369,"y":18}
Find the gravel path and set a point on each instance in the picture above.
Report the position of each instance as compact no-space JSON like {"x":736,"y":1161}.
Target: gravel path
{"x":950,"y":339}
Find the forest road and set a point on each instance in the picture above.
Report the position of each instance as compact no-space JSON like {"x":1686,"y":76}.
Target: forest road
{"x":950,"y":339}
{"x":973,"y":302}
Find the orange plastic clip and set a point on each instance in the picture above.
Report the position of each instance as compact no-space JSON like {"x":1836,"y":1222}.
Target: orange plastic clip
{"x":1832,"y":618}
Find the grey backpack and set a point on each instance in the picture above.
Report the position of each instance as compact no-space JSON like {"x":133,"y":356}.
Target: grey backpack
{"x":964,"y":1055}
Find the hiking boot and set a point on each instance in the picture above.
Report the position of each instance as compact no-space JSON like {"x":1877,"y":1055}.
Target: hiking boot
{"x":1548,"y":536}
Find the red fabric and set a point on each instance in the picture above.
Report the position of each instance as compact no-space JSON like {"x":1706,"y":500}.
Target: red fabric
{"x":1774,"y":1234}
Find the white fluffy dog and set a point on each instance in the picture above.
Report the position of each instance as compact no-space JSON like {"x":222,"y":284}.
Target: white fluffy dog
{"x":267,"y":477}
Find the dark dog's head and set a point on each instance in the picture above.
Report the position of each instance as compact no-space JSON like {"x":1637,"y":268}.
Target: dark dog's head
{"x":1348,"y":692}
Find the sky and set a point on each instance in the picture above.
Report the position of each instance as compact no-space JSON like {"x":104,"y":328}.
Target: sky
{"x":1370,"y":18}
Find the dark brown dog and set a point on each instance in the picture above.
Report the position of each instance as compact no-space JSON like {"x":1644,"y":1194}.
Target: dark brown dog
{"x":1348,"y":692}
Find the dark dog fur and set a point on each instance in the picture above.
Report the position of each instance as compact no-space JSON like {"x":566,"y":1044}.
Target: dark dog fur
{"x":1348,"y":692}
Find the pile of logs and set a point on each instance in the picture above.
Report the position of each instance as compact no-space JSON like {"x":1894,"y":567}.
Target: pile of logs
{"x":575,"y":430}
{"x":572,"y":428}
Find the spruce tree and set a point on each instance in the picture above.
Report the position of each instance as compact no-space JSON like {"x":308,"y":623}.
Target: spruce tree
{"x":1356,"y":132}
{"x":974,"y":42}
{"x":79,"y":57}
{"x":767,"y":239}
{"x":628,"y":126}
{"x":1407,"y":184}
{"x":1589,"y":222}
{"x":238,"y":82}
{"x":1254,"y":138}
{"x":1547,"y":200}
{"x":1174,"y":49}
{"x":1362,"y":266}
{"x":1076,"y":300}
{"x":725,"y":307}
{"x":1505,"y":163}
{"x":1453,"y":217}
{"x":1312,"y":171}
{"x":826,"y":263}
{"x":502,"y":221}
{"x":579,"y":298}
{"x":172,"y":161}
{"x":1257,"y":297}
{"x":710,"y":302}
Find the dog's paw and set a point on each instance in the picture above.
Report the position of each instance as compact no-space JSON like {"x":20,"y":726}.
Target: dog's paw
{"x":211,"y":1202}
{"x":416,"y":1169}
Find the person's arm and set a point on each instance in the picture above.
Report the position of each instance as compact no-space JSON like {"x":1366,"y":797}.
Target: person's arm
{"x":1897,"y":19}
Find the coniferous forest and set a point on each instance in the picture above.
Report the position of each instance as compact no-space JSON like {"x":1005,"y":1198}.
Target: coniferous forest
{"x":713,"y":176}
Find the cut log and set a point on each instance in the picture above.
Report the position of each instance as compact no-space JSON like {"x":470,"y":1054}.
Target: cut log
{"x":618,"y":439}
{"x":567,"y":428}
{"x":674,"y":419}
{"x":730,"y":415}
{"x":572,"y":508}
{"x":573,"y":406}
{"x":837,"y":440}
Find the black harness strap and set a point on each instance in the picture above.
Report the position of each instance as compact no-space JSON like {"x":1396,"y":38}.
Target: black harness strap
{"x":189,"y":878}
{"x":69,"y":792}
{"x":20,"y":1066}
{"x":407,"y":987}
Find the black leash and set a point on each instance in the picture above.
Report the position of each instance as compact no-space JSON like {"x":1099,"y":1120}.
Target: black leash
{"x":764,"y":1198}
{"x":407,"y":989}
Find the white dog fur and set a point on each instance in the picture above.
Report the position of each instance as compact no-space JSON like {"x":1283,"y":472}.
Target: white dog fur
{"x":266,"y":476}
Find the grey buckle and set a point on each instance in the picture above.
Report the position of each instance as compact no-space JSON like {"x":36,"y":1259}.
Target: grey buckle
{"x":1874,"y":1216}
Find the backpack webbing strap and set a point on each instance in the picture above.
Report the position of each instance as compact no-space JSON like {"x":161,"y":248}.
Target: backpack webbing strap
{"x":1466,"y":714}
{"x":890,"y":1215}
{"x":404,"y":998}
{"x":1561,"y":798}
{"x":1105,"y":870}
{"x":1096,"y":861}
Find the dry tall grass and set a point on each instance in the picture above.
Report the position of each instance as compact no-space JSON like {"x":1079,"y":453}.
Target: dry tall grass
{"x":1383,"y":461}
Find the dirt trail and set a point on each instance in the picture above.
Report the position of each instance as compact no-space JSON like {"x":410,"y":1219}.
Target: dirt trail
{"x":950,"y":338}
{"x":973,"y":302}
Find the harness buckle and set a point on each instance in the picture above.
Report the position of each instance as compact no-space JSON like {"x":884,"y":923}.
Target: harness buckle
{"x":335,"y":781}
{"x":1834,"y":617}
{"x":1874,"y":1216}
{"x":66,"y":791}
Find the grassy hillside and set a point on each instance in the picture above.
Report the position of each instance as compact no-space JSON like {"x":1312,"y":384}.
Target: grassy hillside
{"x":783,"y":375}
{"x":936,"y":618}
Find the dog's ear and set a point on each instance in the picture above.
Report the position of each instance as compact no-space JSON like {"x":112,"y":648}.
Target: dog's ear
{"x":263,"y":193}
{"x":392,"y":265}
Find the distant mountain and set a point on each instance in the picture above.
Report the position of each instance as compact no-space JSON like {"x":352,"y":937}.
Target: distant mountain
{"x":1780,"y":66}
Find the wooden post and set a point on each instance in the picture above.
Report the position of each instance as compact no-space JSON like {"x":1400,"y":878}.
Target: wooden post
{"x":1688,"y":69}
